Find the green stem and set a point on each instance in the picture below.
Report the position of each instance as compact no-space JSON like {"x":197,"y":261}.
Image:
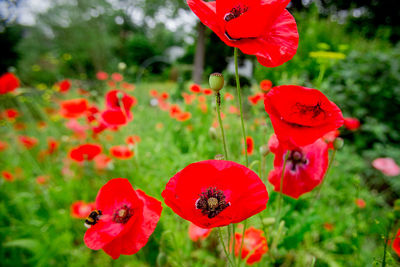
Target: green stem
{"x":326,"y":173}
{"x":218,"y":102}
{"x":281,"y":187}
{"x":385,"y":245}
{"x":240,"y":104}
{"x":223,"y":245}
{"x":241,"y":242}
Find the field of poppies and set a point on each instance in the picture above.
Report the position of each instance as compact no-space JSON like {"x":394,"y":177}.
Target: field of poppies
{"x":266,"y":171}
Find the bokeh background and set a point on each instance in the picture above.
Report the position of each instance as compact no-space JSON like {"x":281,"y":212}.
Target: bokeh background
{"x":348,"y":49}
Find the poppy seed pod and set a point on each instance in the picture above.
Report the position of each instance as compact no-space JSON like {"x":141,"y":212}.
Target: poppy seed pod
{"x":338,"y":143}
{"x":216,"y":81}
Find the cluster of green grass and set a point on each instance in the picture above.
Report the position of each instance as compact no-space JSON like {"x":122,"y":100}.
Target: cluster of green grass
{"x":38,"y":230}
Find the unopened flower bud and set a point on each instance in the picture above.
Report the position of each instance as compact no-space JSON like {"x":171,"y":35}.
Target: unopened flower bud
{"x":216,"y":81}
{"x":264,"y":150}
{"x":338,"y":143}
{"x":161,"y":259}
{"x":213,"y":133}
{"x":120,"y":95}
{"x":219,"y":157}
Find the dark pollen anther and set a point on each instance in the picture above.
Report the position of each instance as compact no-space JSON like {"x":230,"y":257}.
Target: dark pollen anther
{"x":123,"y":214}
{"x":212,"y":202}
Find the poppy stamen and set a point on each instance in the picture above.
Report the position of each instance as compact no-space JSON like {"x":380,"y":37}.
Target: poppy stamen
{"x":212,"y":202}
{"x":123,"y":214}
{"x":235,"y":12}
{"x":297,"y":158}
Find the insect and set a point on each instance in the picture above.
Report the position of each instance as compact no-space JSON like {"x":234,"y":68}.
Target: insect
{"x":315,"y":109}
{"x":93,"y":218}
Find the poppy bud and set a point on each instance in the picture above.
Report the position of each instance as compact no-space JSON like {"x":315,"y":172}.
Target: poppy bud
{"x":161,"y":259}
{"x":216,"y":81}
{"x":213,"y":133}
{"x":219,"y":157}
{"x":264,"y":150}
{"x":120,"y":95}
{"x":338,"y":143}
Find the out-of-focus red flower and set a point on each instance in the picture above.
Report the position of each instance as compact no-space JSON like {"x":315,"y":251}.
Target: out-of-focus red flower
{"x":301,"y":115}
{"x":8,"y":83}
{"x":78,"y":129}
{"x":265,"y":85}
{"x":201,"y":99}
{"x":198,"y":233}
{"x":153,"y":93}
{"x":195,"y":88}
{"x":261,"y":28}
{"x":174,"y":110}
{"x":121,"y":152}
{"x":102,"y":161}
{"x":115,"y":117}
{"x":387,"y":166}
{"x":254,"y":99}
{"x":329,"y":227}
{"x":92,"y":113}
{"x":164,"y":96}
{"x":128,"y":86}
{"x":396,"y":243}
{"x":132,"y":139}
{"x":19,"y":126}
{"x":215,"y":193}
{"x":128,"y":219}
{"x":207,"y":91}
{"x":85,"y":152}
{"x":183,"y":116}
{"x":3,"y":145}
{"x":11,"y":113}
{"x":228,"y":96}
{"x":83,"y":92}
{"x":42,"y":179}
{"x":116,"y":99}
{"x":330,"y":137}
{"x":101,"y":75}
{"x":360,"y":203}
{"x":27,"y":141}
{"x":254,"y":243}
{"x":233,"y":110}
{"x":74,"y":108}
{"x":80,"y":209}
{"x":52,"y":145}
{"x":249,"y":145}
{"x":64,"y":86}
{"x":7,"y":176}
{"x":117,"y":77}
{"x":351,"y":124}
{"x":111,"y":84}
{"x":164,"y":105}
{"x":188,"y":98}
{"x":203,"y":107}
{"x":305,"y":167}
{"x":41,"y":124}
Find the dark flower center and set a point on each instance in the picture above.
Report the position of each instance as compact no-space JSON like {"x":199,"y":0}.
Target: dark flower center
{"x":211,"y":202}
{"x":123,"y":214}
{"x":235,"y":12}
{"x":296,"y":158}
{"x":309,"y":110}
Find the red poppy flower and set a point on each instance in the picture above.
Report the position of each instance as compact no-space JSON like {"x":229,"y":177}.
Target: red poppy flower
{"x":80,"y":209}
{"x":188,"y":98}
{"x":215,"y":193}
{"x":183,"y":116}
{"x":119,"y":100}
{"x":233,"y":110}
{"x":164,"y":96}
{"x":3,"y":145}
{"x":396,"y":243}
{"x":74,"y":108}
{"x":101,"y":75}
{"x":28,"y":142}
{"x":11,"y":113}
{"x":121,"y":152}
{"x":128,"y":86}
{"x":7,"y":176}
{"x":174,"y":110}
{"x":351,"y":124}
{"x":115,"y":117}
{"x":102,"y":161}
{"x":387,"y":166}
{"x":128,"y":219}
{"x":195,"y":88}
{"x":8,"y":83}
{"x":329,"y":227}
{"x":265,"y":85}
{"x":52,"y":145}
{"x":228,"y":96}
{"x":261,"y":28}
{"x":198,"y":233}
{"x":254,"y":243}
{"x":132,"y":139}
{"x":153,"y":93}
{"x":254,"y":99}
{"x":360,"y":203}
{"x":64,"y":86}
{"x":92,"y":113}
{"x":207,"y":92}
{"x":249,"y":145}
{"x":203,"y":107}
{"x":117,"y":77}
{"x":42,"y":179}
{"x":85,"y":152}
{"x":305,"y":167}
{"x":301,"y":115}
